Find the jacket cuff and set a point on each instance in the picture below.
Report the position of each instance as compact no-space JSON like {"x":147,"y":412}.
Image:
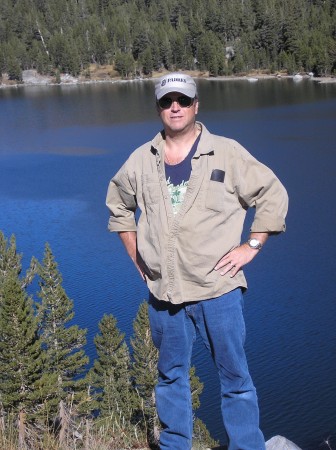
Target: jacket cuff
{"x":120,"y":225}
{"x":268,"y":225}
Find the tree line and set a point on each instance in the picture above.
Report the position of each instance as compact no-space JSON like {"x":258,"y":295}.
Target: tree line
{"x":138,"y":37}
{"x":50,"y":396}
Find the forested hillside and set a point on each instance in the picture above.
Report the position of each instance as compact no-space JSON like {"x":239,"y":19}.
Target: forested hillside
{"x":140,"y":36}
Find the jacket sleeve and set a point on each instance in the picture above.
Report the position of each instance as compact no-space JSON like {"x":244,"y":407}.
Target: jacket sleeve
{"x":121,"y":201}
{"x":258,"y":187}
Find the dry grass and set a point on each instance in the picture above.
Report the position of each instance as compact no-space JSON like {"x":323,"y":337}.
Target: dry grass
{"x":99,"y":73}
{"x":113,"y":433}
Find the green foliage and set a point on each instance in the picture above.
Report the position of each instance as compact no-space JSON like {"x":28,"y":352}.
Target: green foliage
{"x":110,"y":375}
{"x":141,"y":36}
{"x":63,"y":344}
{"x":144,"y":372}
{"x":14,"y":70}
{"x":196,"y":387}
{"x":201,"y":436}
{"x":19,"y":344}
{"x":125,"y":64}
{"x":64,"y":357}
{"x":145,"y":355}
{"x":21,"y":360}
{"x":64,"y":54}
{"x":10,"y":262}
{"x":44,"y":400}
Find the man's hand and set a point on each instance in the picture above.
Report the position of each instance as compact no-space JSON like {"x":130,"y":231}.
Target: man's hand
{"x":129,"y":239}
{"x":233,"y":261}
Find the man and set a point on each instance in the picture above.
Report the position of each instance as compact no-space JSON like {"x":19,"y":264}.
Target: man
{"x":193,"y":189}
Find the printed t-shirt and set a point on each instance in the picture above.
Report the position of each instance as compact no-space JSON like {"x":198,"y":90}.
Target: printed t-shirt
{"x":177,"y":177}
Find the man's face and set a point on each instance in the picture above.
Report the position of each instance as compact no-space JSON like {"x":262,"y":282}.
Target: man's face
{"x":177,"y":117}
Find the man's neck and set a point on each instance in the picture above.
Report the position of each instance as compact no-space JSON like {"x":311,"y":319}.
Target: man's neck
{"x":181,"y":142}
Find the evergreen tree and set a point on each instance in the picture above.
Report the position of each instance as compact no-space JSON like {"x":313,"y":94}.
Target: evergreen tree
{"x":63,"y":344}
{"x":125,"y":64}
{"x":147,"y":62}
{"x":64,"y":53}
{"x":163,"y":45}
{"x":144,"y":371}
{"x":141,"y":42}
{"x":201,"y":436}
{"x":10,"y":262}
{"x":211,"y":55}
{"x":14,"y":70}
{"x":20,"y":354}
{"x":110,"y":375}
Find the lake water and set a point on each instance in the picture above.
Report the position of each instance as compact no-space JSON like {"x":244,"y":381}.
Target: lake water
{"x":59,"y":146}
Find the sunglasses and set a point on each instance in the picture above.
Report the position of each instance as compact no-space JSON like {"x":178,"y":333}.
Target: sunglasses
{"x":183,"y":101}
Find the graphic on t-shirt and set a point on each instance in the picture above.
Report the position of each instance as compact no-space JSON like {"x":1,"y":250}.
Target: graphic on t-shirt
{"x":177,"y":193}
{"x":177,"y":177}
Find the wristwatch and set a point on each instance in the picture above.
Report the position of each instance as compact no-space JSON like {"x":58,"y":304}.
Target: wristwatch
{"x":254,"y":243}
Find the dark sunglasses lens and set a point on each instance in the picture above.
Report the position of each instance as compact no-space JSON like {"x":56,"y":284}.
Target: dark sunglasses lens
{"x":165,"y":102}
{"x":185,"y":101}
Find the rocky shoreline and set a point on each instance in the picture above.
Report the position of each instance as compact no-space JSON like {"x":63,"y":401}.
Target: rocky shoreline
{"x":32,"y":78}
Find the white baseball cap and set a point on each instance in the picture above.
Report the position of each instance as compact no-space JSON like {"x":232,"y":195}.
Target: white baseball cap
{"x":175,"y":82}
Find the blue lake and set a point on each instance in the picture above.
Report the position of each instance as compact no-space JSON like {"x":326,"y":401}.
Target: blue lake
{"x":59,"y":147}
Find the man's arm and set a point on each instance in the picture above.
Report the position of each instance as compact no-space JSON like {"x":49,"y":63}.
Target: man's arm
{"x":129,"y":239}
{"x":258,"y":187}
{"x":237,"y":258}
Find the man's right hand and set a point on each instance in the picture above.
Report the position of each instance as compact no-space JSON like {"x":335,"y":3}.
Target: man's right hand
{"x":129,"y":239}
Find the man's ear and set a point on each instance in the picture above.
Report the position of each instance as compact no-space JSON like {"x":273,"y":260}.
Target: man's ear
{"x":196,"y":105}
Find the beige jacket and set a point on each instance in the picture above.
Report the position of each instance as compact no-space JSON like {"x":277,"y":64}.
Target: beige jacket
{"x":181,"y":251}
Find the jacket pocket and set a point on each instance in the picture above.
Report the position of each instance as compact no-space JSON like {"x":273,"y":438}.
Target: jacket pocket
{"x":150,"y":190}
{"x":218,"y":198}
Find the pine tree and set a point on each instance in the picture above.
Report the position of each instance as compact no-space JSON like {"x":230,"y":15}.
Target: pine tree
{"x":63,"y":345}
{"x":163,"y":45}
{"x":144,"y":371}
{"x":110,"y":375}
{"x":20,"y":354}
{"x":124,"y":64}
{"x":10,"y":262}
{"x":201,"y":436}
{"x":64,"y":54}
{"x":147,"y":62}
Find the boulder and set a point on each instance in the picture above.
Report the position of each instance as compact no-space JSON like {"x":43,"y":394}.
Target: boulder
{"x":280,"y":443}
{"x":32,"y":77}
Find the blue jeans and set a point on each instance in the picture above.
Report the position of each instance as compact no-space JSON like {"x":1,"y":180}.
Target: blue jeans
{"x":221,"y":325}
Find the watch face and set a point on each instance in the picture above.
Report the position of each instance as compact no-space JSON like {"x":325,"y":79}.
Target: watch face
{"x":254,"y":243}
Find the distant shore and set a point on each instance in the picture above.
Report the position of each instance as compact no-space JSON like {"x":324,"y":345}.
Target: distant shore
{"x":106,"y":75}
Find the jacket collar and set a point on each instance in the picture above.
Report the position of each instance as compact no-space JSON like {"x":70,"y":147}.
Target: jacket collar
{"x":205,"y":146}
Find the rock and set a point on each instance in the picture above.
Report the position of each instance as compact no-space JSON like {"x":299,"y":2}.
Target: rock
{"x":298,"y":77}
{"x":67,"y":78}
{"x":32,"y":77}
{"x":280,"y":443}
